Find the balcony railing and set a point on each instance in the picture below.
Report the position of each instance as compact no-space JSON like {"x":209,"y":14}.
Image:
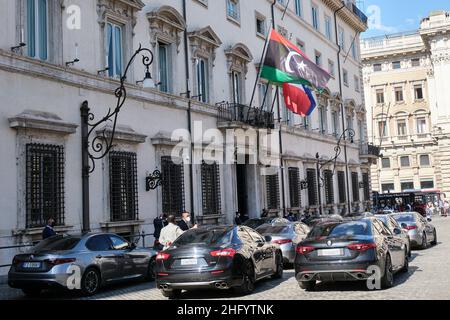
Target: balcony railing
{"x":368,"y":149}
{"x":255,"y":117}
{"x":359,"y":14}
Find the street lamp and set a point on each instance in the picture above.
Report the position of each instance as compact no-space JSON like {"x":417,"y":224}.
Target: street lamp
{"x":97,"y":146}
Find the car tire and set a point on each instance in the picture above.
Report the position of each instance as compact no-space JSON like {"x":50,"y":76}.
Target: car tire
{"x":248,"y":281}
{"x":308,"y":285}
{"x":151,"y":271}
{"x":434,"y":242}
{"x":405,"y":267}
{"x":424,"y":244}
{"x":171,"y":294}
{"x":387,"y":281}
{"x":279,"y":267}
{"x":90,"y":282}
{"x":31,"y":292}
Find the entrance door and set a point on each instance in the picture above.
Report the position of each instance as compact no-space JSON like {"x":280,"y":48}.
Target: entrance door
{"x":241,"y":180}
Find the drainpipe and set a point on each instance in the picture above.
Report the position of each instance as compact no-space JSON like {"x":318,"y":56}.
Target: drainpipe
{"x":189,"y":112}
{"x":347,"y":177}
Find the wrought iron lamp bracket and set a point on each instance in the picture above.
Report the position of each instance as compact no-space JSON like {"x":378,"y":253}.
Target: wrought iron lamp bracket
{"x":153,"y":181}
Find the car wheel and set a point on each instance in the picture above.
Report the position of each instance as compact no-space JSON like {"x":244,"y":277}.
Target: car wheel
{"x":308,"y":285}
{"x":248,"y":281}
{"x":387,"y":281}
{"x":405,"y":267}
{"x":151,"y":271}
{"x":31,"y":292}
{"x":434,"y":242}
{"x":424,"y":241}
{"x":279,"y":267}
{"x":90,"y":283}
{"x":171,"y":294}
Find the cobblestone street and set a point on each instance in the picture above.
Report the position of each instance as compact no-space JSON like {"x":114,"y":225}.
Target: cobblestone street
{"x":426,"y":279}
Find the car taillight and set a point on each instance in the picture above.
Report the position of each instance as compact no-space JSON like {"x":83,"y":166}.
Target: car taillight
{"x":224,"y":253}
{"x":411,"y":227}
{"x":304,"y":249}
{"x":361,"y":247}
{"x":15,"y":261}
{"x":162,"y":256}
{"x":55,"y":262}
{"x":282,"y":241}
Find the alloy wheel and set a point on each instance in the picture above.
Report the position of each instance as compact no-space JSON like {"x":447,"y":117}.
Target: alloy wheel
{"x":91,"y":282}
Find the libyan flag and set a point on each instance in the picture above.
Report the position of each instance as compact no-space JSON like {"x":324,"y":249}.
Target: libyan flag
{"x":285,"y":63}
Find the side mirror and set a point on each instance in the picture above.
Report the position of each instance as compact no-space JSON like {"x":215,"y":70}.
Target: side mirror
{"x":397,"y":231}
{"x":268,"y":238}
{"x":429,"y":219}
{"x":404,"y":226}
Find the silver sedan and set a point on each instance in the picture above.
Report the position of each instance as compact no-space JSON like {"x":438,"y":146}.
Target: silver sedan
{"x":421,"y":232}
{"x":85,"y":262}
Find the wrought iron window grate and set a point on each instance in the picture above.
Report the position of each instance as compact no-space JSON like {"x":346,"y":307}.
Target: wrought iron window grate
{"x":341,"y":186}
{"x":294,"y":187}
{"x":329,"y":186}
{"x":366,"y":186}
{"x":123,"y":186}
{"x":311,"y":177}
{"x":211,"y":188}
{"x":355,"y":186}
{"x":272,"y":192}
{"x":44,"y":184}
{"x":172,"y":187}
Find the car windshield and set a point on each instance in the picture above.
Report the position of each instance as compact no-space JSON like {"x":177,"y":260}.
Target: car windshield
{"x":274,"y":229}
{"x":216,"y":237}
{"x":58,"y":243}
{"x":254,"y":223}
{"x":404,"y":218}
{"x":330,"y":230}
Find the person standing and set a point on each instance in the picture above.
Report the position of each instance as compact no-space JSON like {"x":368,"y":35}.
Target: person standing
{"x":237,"y":219}
{"x":48,"y":231}
{"x":159,"y":223}
{"x":446,"y":208}
{"x":185,"y":224}
{"x":170,"y":233}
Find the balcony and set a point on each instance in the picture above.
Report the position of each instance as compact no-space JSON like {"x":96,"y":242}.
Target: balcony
{"x":239,"y":113}
{"x":370,"y":151}
{"x":359,"y":13}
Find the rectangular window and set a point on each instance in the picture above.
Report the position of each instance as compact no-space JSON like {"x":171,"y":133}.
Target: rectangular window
{"x":404,"y":162}
{"x":311,"y":177}
{"x":328,"y":28}
{"x":341,"y":38}
{"x":356,"y":79}
{"x":329,"y":186}
{"x":377,"y":67}
{"x":382,"y":129}
{"x":396,"y":65}
{"x":322,"y":119}
{"x":123,"y":186}
{"x":345,"y":77}
{"x":353,"y":47}
{"x":301,"y":45}
{"x":366,"y":186}
{"x":202,"y":80}
{"x":386,"y":163}
{"x":398,"y":94}
{"x":261,"y":26}
{"x":294,"y":187}
{"x":415,"y":62}
{"x":272,"y":192}
{"x":331,"y":68}
{"x":114,"y":55}
{"x":37,"y":29}
{"x":418,"y":92}
{"x":380,"y":96}
{"x":163,"y":51}
{"x":172,"y":175}
{"x":264,"y":100}
{"x":315,"y":17}
{"x":421,"y":125}
{"x":44,"y":184}
{"x":211,"y":189}
{"x":427,"y":184}
{"x":233,"y":9}
{"x":298,"y":7}
{"x":318,"y":58}
{"x":409,"y":185}
{"x":388,"y":187}
{"x":341,"y":185}
{"x":237,"y":93}
{"x":335,"y":120}
{"x":401,"y":128}
{"x":355,"y":186}
{"x":425,"y":160}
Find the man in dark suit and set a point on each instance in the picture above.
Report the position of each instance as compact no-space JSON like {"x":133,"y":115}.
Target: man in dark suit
{"x":185,"y":224}
{"x":48,"y":230}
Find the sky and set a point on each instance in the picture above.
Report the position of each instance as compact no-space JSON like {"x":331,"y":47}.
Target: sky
{"x":392,"y":16}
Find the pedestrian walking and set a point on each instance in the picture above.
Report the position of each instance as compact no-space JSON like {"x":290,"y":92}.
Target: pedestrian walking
{"x":185,"y":224}
{"x":446,"y":208}
{"x":170,"y":233}
{"x":48,"y":231}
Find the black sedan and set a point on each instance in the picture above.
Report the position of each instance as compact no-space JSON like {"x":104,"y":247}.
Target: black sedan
{"x":217,"y":258}
{"x":350,"y":251}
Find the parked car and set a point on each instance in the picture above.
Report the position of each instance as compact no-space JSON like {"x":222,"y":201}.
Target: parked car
{"x":102,"y":258}
{"x":218,"y":258}
{"x":287,"y":235}
{"x":256,"y":222}
{"x":344,"y":251}
{"x":393,"y":225}
{"x":421,"y":232}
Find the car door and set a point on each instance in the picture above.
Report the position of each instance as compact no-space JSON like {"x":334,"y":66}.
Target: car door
{"x":393,"y":224}
{"x":109,"y":262}
{"x":253,"y":249}
{"x":134,"y":263}
{"x":394,"y":243}
{"x":268,"y":254}
{"x":427,"y":227}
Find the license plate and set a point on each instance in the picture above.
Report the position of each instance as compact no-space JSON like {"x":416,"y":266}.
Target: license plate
{"x":189,"y":262}
{"x":31,"y":265}
{"x":330,"y":252}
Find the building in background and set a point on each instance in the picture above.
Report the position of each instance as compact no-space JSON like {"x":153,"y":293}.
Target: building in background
{"x":41,"y":98}
{"x":408,"y":103}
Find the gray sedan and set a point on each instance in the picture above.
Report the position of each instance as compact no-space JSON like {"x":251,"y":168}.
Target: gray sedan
{"x":84,"y":262}
{"x":421,"y":232}
{"x":287,"y":235}
{"x":396,"y":229}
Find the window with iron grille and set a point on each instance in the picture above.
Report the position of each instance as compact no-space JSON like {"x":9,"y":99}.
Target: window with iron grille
{"x":355,"y":186}
{"x":123,"y":186}
{"x":294,"y":187}
{"x":311,"y":177}
{"x":172,"y":187}
{"x":341,"y":186}
{"x":272,"y":191}
{"x":329,"y":188}
{"x":211,"y":188}
{"x":44,"y":184}
{"x":365,"y":177}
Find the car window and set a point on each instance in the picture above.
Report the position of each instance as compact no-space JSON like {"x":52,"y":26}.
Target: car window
{"x":99,"y":243}
{"x":58,"y":243}
{"x":341,"y":229}
{"x":256,"y":236}
{"x":217,"y":237}
{"x":274,"y":229}
{"x":118,"y":242}
{"x":402,"y":218}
